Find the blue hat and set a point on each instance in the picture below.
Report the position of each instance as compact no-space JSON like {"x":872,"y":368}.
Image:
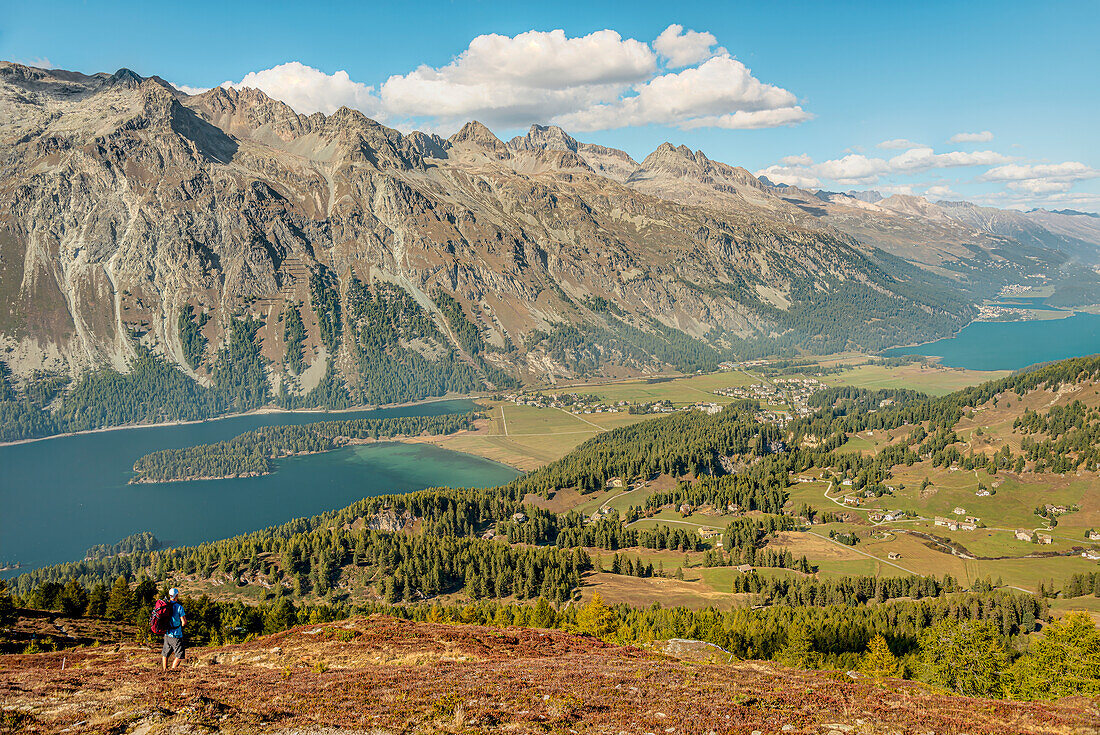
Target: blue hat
{"x":173,"y":592}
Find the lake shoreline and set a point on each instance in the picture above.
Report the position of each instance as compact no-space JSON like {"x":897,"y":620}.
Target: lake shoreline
{"x":399,"y":438}
{"x":262,"y":411}
{"x":1066,"y":313}
{"x":1011,"y":345}
{"x":82,"y":496}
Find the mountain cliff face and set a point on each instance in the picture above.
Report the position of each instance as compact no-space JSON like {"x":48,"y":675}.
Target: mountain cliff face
{"x":128,"y":206}
{"x":332,"y":253}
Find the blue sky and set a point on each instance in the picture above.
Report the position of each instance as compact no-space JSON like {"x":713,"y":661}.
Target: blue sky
{"x":804,"y":91}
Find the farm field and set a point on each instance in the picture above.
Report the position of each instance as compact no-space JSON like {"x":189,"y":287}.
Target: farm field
{"x":1018,"y":563}
{"x":639,"y":592}
{"x":1013,"y":504}
{"x":682,"y":391}
{"x":528,"y":437}
{"x":1089,"y":604}
{"x":930,"y":378}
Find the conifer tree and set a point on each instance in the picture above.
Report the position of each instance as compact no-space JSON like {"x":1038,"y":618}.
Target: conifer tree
{"x":74,"y":598}
{"x":120,"y":602}
{"x":1065,"y":662}
{"x":596,"y":618}
{"x":7,"y":606}
{"x":799,"y":651}
{"x":879,"y":662}
{"x":969,"y":657}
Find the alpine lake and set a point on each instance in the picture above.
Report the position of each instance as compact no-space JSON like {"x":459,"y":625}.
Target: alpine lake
{"x":1012,"y":345}
{"x":61,"y":496}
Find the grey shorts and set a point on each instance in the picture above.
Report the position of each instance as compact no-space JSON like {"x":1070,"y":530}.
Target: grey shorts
{"x":174,"y":646}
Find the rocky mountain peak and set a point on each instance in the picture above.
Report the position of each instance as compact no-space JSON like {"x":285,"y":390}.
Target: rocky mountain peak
{"x":130,"y":202}
{"x":912,"y":205}
{"x":870,"y":196}
{"x":545,"y":137}
{"x":571,"y":153}
{"x":476,"y":134}
{"x":350,"y":117}
{"x":477,"y":142}
{"x":669,"y":161}
{"x":249,"y":113}
{"x":124,"y":78}
{"x":427,"y":145}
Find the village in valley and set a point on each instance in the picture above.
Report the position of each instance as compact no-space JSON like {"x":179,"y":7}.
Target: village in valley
{"x":923,"y":519}
{"x":794,"y":393}
{"x":781,"y":400}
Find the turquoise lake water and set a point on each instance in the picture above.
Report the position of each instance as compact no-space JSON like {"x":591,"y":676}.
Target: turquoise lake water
{"x":61,"y":496}
{"x":1014,"y":345}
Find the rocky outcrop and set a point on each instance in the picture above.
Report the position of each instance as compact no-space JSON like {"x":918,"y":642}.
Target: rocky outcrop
{"x":609,"y":162}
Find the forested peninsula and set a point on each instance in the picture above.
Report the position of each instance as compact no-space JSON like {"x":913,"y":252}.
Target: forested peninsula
{"x":252,"y":453}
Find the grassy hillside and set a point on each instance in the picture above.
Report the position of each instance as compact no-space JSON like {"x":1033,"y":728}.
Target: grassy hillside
{"x":387,"y":675}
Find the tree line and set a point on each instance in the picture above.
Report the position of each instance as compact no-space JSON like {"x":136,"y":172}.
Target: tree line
{"x":253,"y":451}
{"x":959,"y":642}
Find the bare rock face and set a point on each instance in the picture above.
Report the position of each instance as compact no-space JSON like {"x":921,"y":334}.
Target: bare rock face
{"x":609,"y":162}
{"x":122,"y":200}
{"x":674,"y":172}
{"x":545,"y":137}
{"x":389,"y":520}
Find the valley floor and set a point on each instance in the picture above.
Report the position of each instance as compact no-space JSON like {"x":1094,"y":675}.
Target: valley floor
{"x":527,"y":437}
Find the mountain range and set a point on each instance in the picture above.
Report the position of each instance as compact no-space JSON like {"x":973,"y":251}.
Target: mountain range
{"x":376,"y":265}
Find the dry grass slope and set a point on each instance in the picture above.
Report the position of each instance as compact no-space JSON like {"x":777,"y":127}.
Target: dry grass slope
{"x":383,"y":675}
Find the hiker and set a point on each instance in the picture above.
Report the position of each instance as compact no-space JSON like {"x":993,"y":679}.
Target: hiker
{"x":173,"y":638}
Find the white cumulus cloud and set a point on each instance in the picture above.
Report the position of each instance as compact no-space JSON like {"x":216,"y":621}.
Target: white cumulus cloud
{"x":592,"y":82}
{"x":682,"y":48}
{"x":923,"y":159}
{"x":1066,"y":171}
{"x":310,"y":90}
{"x":898,"y":144}
{"x":940,"y":191}
{"x":721,"y":92}
{"x":790,"y":175}
{"x":856,"y":169}
{"x":1042,"y":178}
{"x":513,"y":81}
{"x":187,"y":89}
{"x":983,"y":137}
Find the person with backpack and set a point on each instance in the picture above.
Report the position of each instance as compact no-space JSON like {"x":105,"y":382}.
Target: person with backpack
{"x":168,"y":619}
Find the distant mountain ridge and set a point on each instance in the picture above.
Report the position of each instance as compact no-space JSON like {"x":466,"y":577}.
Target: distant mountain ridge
{"x":229,"y":234}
